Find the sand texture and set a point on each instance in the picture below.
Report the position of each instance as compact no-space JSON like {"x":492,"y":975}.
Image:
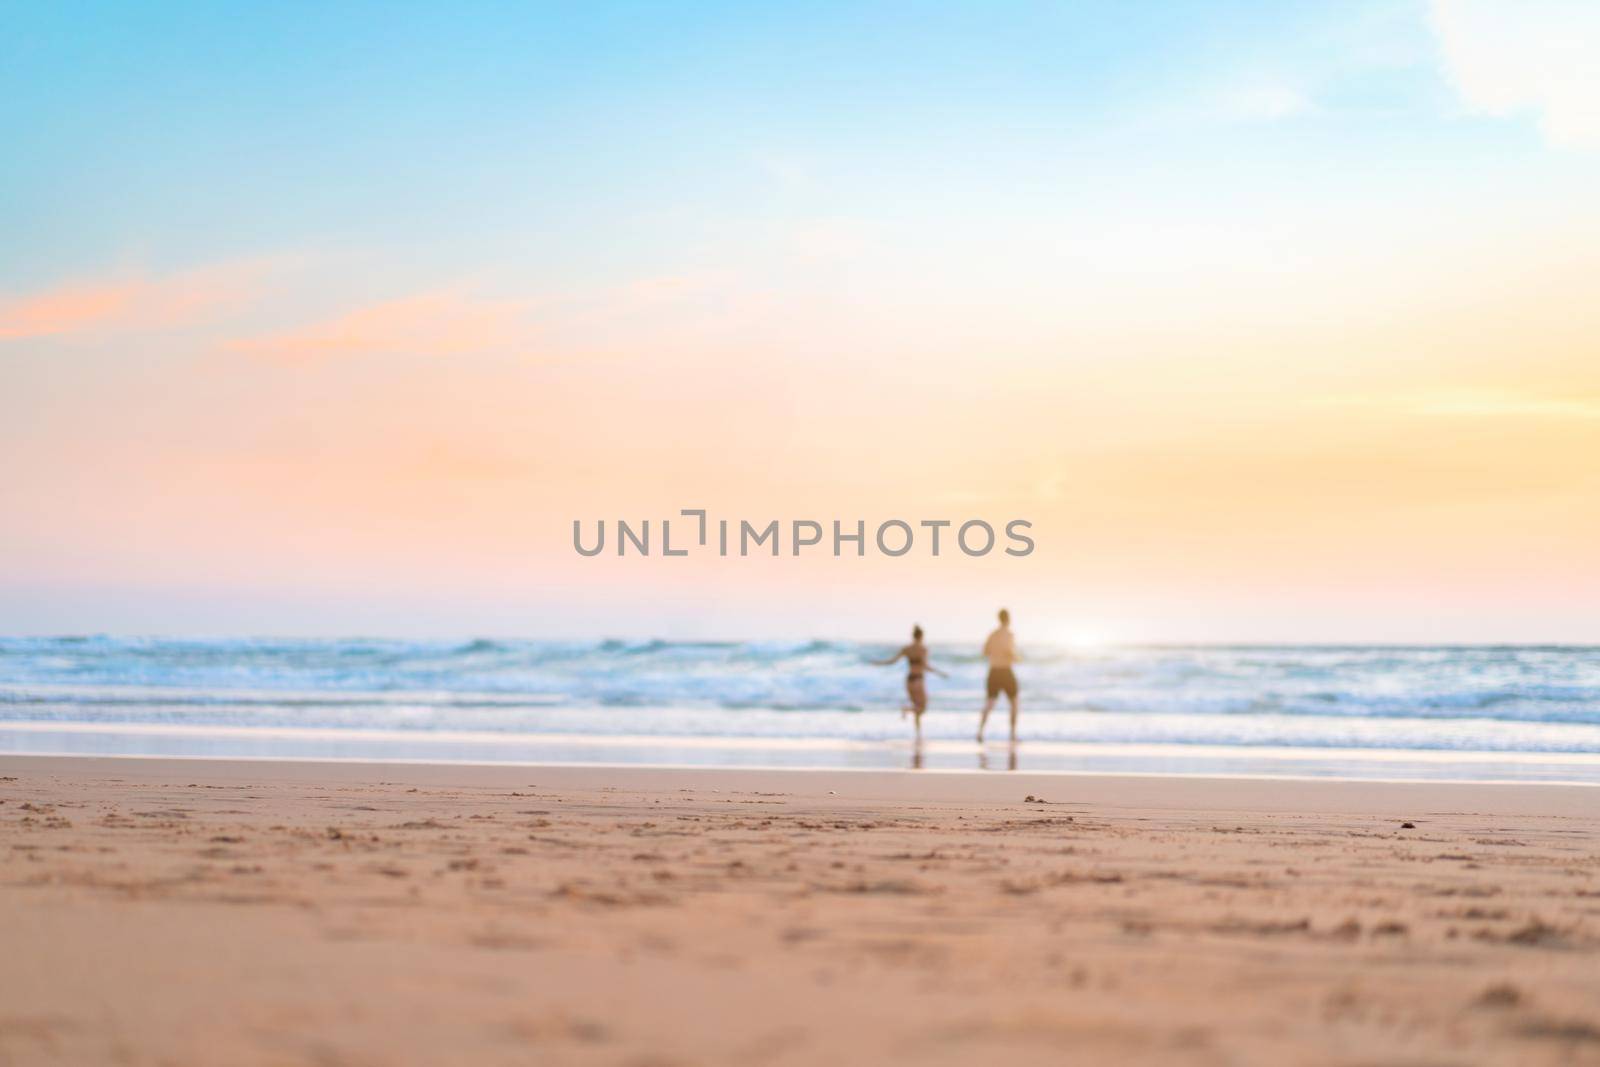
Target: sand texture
{"x":205,"y":913}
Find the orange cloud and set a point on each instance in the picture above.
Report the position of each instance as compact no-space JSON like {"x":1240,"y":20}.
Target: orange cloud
{"x":440,"y":323}
{"x":126,"y":305}
{"x":64,"y":310}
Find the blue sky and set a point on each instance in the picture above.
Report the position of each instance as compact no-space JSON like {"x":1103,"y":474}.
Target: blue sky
{"x":173,"y":133}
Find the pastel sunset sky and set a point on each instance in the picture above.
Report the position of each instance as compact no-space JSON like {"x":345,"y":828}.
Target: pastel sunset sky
{"x":1280,"y":322}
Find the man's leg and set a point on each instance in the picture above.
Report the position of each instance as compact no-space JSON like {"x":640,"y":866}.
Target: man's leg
{"x":1012,"y":697}
{"x":988,"y":706}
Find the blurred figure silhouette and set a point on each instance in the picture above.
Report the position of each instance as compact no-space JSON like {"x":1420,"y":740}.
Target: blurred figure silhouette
{"x":916,"y":657}
{"x":1001,"y":652}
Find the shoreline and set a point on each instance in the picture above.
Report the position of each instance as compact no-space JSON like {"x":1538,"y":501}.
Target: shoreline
{"x":199,"y":742}
{"x":1181,"y":791}
{"x":756,"y":741}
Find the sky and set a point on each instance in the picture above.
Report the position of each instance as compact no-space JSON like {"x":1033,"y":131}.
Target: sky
{"x":1278,"y":322}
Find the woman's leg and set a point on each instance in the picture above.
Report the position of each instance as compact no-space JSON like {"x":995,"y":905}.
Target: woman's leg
{"x":918,"y":692}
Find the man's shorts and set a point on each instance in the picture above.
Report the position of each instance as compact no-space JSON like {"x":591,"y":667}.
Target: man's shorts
{"x":1001,"y":680}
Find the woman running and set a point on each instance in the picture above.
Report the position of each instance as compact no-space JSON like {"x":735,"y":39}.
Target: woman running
{"x":916,"y":657}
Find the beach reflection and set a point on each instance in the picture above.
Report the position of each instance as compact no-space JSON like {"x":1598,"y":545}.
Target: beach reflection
{"x":1011,"y":758}
{"x":919,"y":759}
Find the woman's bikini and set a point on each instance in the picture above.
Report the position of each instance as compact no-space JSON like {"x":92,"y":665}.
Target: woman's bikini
{"x":916,"y":661}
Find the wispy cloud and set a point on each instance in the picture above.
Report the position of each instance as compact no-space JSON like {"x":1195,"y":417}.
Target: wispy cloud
{"x":1510,"y":57}
{"x":673,"y":288}
{"x":1478,"y":403}
{"x":66,"y":309}
{"x":442,"y":323}
{"x":829,"y":238}
{"x":126,"y":304}
{"x":1263,"y":103}
{"x":1491,"y":405}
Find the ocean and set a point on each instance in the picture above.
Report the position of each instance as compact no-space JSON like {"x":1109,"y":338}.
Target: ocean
{"x":1514,"y":713}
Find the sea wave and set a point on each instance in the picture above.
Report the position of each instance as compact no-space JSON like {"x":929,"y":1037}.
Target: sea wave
{"x":1507,"y":698}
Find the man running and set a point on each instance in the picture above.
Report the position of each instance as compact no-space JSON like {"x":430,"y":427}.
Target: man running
{"x":1001,"y":652}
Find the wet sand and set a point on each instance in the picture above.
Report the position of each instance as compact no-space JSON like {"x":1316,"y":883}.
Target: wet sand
{"x":203,"y":912}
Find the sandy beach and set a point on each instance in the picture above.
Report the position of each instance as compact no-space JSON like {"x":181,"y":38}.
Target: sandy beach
{"x":201,"y":912}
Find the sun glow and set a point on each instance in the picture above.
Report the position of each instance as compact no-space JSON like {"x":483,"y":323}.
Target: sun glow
{"x":1084,"y":639}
